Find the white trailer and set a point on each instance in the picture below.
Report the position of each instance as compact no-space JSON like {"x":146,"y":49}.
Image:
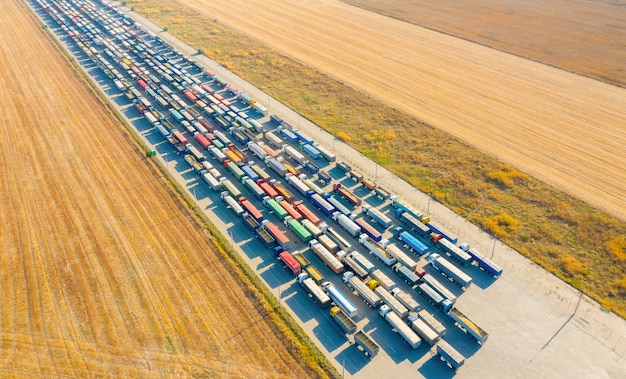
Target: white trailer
{"x":363,"y":261}
{"x":347,"y":224}
{"x":351,"y":263}
{"x":431,"y":321}
{"x":401,"y":256}
{"x":450,"y":270}
{"x":257,"y":150}
{"x":369,"y":297}
{"x":273,"y":139}
{"x":213,"y":183}
{"x":294,"y":154}
{"x":424,"y":331}
{"x":232,"y":203}
{"x":378,"y":251}
{"x":406,"y":299}
{"x":400,"y":326}
{"x":392,"y":302}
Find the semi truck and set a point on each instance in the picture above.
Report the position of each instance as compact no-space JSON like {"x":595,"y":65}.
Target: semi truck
{"x":233,"y":168}
{"x":412,"y":222}
{"x":369,"y":297}
{"x":405,"y":331}
{"x":299,"y":230}
{"x":251,"y":209}
{"x":377,"y":216}
{"x":449,"y":355}
{"x":213,"y":183}
{"x":289,"y":135}
{"x":340,"y":207}
{"x":424,"y":331}
{"x":290,"y":262}
{"x":293,"y":213}
{"x":329,"y":156}
{"x":405,"y":274}
{"x":382,"y":279}
{"x":274,"y":207}
{"x":314,"y":230}
{"x":256,"y":150}
{"x":260,"y":172}
{"x":348,"y":261}
{"x":395,"y":202}
{"x":401,"y":256}
{"x":347,"y":194}
{"x":327,"y":257}
{"x":451,"y":250}
{"x":250,"y":173}
{"x":368,"y":229}
{"x":276,"y":166}
{"x":273,"y":139}
{"x":296,"y":183}
{"x":340,"y":299}
{"x":345,"y":323}
{"x":293,"y":154}
{"x":392,"y":302}
{"x":406,"y":299}
{"x":328,"y":243}
{"x":232,"y":189}
{"x":311,"y":151}
{"x":369,"y":347}
{"x":311,"y":167}
{"x":468,"y":326}
{"x":445,"y":233}
{"x":362,"y":261}
{"x":253,"y":187}
{"x":434,"y":297}
{"x":232,"y":203}
{"x":320,"y":203}
{"x":485,"y":263}
{"x":312,"y":186}
{"x":267,"y":188}
{"x":369,"y":184}
{"x":450,"y":271}
{"x":314,"y":291}
{"x":439,"y":287}
{"x":304,"y":262}
{"x":378,"y":251}
{"x":307,"y":213}
{"x":266,"y":239}
{"x":347,"y":224}
{"x":315,"y":274}
{"x":410,"y":241}
{"x":336,"y":237}
{"x":282,"y":191}
{"x":432,"y":322}
{"x":249,"y":221}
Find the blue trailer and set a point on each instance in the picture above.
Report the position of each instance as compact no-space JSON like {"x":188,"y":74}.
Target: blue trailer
{"x":304,"y":138}
{"x":311,"y":151}
{"x":340,"y":299}
{"x":485,"y":263}
{"x":311,"y":167}
{"x":410,"y":241}
{"x":250,"y":172}
{"x":239,"y":136}
{"x":176,"y":115}
{"x":276,"y":120}
{"x":289,"y":135}
{"x":411,"y":221}
{"x":324,"y":177}
{"x":439,"y":229}
{"x":321,"y":204}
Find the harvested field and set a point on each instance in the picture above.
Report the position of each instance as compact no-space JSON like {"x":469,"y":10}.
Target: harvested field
{"x":104,"y":272}
{"x":562,"y":128}
{"x":586,"y":37}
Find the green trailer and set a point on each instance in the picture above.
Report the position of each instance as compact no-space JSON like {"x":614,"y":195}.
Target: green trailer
{"x":232,"y":189}
{"x":273,"y":206}
{"x":235,"y":170}
{"x":300,"y":230}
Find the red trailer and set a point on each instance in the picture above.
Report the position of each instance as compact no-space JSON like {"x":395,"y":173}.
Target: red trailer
{"x":290,"y":262}
{"x":190,"y":96}
{"x":269,"y":151}
{"x":218,"y":97}
{"x":207,"y":125}
{"x":226,"y":102}
{"x":291,"y":210}
{"x":142,"y":84}
{"x":135,"y":70}
{"x":251,"y":209}
{"x":269,"y":190}
{"x":307,"y":213}
{"x":202,"y":140}
{"x":279,"y":236}
{"x":209,"y":74}
{"x":180,"y":137}
{"x":207,"y":88}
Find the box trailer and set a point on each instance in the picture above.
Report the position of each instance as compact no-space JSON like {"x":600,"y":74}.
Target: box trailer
{"x":450,"y":271}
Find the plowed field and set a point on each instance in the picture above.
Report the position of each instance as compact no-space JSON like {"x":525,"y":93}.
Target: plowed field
{"x":562,"y":128}
{"x":103,"y":273}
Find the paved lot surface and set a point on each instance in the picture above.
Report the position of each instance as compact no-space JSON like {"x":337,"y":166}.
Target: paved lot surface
{"x":537,"y":324}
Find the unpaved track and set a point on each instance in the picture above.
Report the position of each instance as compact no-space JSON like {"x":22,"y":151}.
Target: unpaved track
{"x":562,"y":128}
{"x":94,"y":279}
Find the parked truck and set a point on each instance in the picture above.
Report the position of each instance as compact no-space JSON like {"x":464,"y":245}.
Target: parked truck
{"x":327,"y":257}
{"x":253,"y":187}
{"x":451,"y":250}
{"x":375,"y":249}
{"x":432,"y":322}
{"x":377,"y":216}
{"x":368,"y":229}
{"x":251,"y":209}
{"x":307,"y":213}
{"x":328,"y":243}
{"x":324,"y":177}
{"x":315,"y":274}
{"x":340,"y":207}
{"x":314,"y":230}
{"x":434,"y":297}
{"x":297,"y":183}
{"x":266,"y":239}
{"x":401,"y":256}
{"x":351,"y":264}
{"x":273,"y":139}
{"x":232,"y":189}
{"x":314,"y":291}
{"x":347,"y":194}
{"x":320,"y":203}
{"x":468,"y":326}
{"x":347,"y":224}
{"x":368,"y":346}
{"x":293,"y":154}
{"x":311,"y":151}
{"x":450,"y":271}
{"x":369,"y":297}
{"x":274,"y":207}
{"x":293,"y":213}
{"x":439,"y":287}
{"x":329,"y":156}
{"x":412,"y":222}
{"x":409,"y":276}
{"x":273,"y":230}
{"x":290,"y":262}
{"x":444,"y":232}
{"x":345,"y":323}
{"x":381,"y":193}
{"x":232,"y":203}
{"x":449,"y":355}
{"x":340,"y":299}
{"x":213,"y":183}
{"x":267,"y":188}
{"x":396,"y":203}
{"x":362,"y":261}
{"x":312,"y":186}
{"x":392,"y":302}
{"x":336,"y":237}
{"x":249,"y":221}
{"x":299,"y":230}
{"x":407,"y":300}
{"x":485,"y":263}
{"x":405,"y":331}
{"x":276,"y":166}
{"x":282,"y":191}
{"x":424,"y":331}
{"x":410,"y":241}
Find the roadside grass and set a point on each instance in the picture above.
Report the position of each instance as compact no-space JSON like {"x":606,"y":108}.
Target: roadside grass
{"x":569,"y":238}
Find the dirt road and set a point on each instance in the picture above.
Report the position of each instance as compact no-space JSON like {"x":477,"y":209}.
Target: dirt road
{"x":564,"y":129}
{"x":103,"y":273}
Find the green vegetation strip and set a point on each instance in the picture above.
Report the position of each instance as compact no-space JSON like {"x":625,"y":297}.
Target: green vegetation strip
{"x":295,"y":338}
{"x":579,"y":244}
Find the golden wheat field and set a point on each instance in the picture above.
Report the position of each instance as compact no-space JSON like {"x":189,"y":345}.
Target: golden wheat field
{"x":103,"y":271}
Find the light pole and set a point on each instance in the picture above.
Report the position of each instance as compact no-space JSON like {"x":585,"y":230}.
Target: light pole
{"x":428,"y":208}
{"x":493,"y":250}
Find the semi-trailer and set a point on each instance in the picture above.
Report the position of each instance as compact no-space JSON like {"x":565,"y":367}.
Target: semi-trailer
{"x":273,"y":230}
{"x":307,"y":213}
{"x":293,"y":154}
{"x":321,"y":204}
{"x":253,"y":187}
{"x":432,"y":322}
{"x":275,"y":208}
{"x":180,"y":138}
{"x":381,"y":193}
{"x":362,"y":261}
{"x":162,"y":130}
{"x":232,"y":189}
{"x":345,"y":323}
{"x":312,"y":186}
{"x":368,"y":296}
{"x":256,"y":125}
{"x":257,"y":150}
{"x":314,"y":291}
{"x":383,"y":280}
{"x":378,"y":251}
{"x":249,"y":221}
{"x":216,"y":174}
{"x":232,"y":203}
{"x":311,"y":151}
{"x":239,"y":136}
{"x":273,"y":139}
{"x":311,"y":227}
{"x":293,"y":213}
{"x":276,"y":166}
{"x":401,"y":256}
{"x":405,"y":331}
{"x":233,"y":168}
{"x":340,"y":299}
{"x":449,"y":355}
{"x":450,"y":271}
{"x":410,"y":241}
{"x":250,"y":173}
{"x":266,"y":239}
{"x":405,"y":274}
{"x":289,"y":135}
{"x":369,"y":347}
{"x":412,"y":222}
{"x":303,"y":138}
{"x":395,"y":202}
{"x":347,"y":224}
{"x":485,"y":263}
{"x":336,"y":237}
{"x":439,"y":287}
{"x":445,"y":233}
{"x":260,"y":109}
{"x":328,"y":243}
{"x":327,"y":257}
{"x":424,"y":331}
{"x":356,"y":176}
{"x":468,"y":326}
{"x":290,"y":169}
{"x":434,"y":297}
{"x":347,"y":194}
{"x":392,"y":302}
{"x":298,"y":185}
{"x":329,"y":156}
{"x":340,"y":207}
{"x":203,"y":141}
{"x":324,"y":177}
{"x":217,"y":154}
{"x":369,"y":184}
{"x":282,"y":191}
{"x":290,"y":262}
{"x":314,"y":274}
{"x":262,"y":174}
{"x":348,"y":261}
{"x":377,"y":216}
{"x":311,"y":167}
{"x":451,"y":250}
{"x":251,"y":209}
{"x":406,"y":299}
{"x":299,"y":230}
{"x":304,"y":262}
{"x":213,"y":183}
{"x":368,"y":229}
{"x":267,"y":188}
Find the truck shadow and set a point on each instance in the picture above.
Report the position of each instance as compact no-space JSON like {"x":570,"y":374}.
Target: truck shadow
{"x":436,"y":368}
